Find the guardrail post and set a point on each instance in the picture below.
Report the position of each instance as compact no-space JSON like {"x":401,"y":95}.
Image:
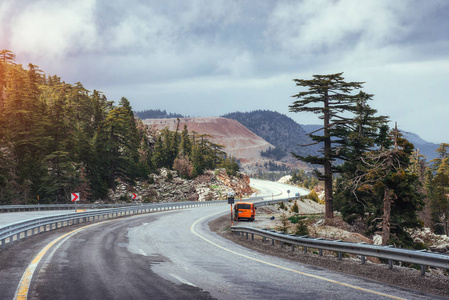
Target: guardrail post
{"x":423,"y":270}
{"x":320,"y":251}
{"x":363,"y":258}
{"x":305,"y":249}
{"x":390,"y":264}
{"x":272,"y":241}
{"x":293,"y":247}
{"x":252,"y":236}
{"x":339,"y":256}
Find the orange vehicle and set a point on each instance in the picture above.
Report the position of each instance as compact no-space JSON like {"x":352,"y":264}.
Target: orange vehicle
{"x":244,"y":211}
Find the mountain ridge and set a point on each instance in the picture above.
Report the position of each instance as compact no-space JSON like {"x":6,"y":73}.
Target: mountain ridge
{"x":286,"y":135}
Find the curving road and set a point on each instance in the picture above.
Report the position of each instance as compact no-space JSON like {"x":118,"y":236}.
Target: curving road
{"x":169,"y":255}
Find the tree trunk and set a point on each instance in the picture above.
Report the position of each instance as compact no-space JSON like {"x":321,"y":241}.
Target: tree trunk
{"x":446,"y":224}
{"x":328,"y":199}
{"x":386,"y":222}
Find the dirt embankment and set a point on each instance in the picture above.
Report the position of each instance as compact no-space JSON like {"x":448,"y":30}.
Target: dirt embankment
{"x":238,"y":140}
{"x":434,"y":282}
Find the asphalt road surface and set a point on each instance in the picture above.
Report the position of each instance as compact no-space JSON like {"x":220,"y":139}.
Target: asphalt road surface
{"x":167,"y":255}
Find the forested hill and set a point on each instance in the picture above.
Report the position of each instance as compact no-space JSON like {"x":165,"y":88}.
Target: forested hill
{"x":277,"y":129}
{"x":58,"y":138}
{"x":425,"y":148}
{"x":156,"y":114}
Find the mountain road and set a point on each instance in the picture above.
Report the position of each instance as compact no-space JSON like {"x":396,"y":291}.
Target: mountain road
{"x":168,"y":255}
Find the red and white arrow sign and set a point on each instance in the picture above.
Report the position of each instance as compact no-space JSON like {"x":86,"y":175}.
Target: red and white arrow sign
{"x":75,"y":197}
{"x":134,"y":196}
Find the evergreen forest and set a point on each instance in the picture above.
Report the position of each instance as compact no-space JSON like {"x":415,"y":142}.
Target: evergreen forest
{"x":372,"y":175}
{"x":57,"y":138}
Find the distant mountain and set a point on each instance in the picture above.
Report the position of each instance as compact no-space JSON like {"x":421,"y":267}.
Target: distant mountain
{"x":285,"y":134}
{"x":425,"y":148}
{"x":277,"y":129}
{"x":156,"y":114}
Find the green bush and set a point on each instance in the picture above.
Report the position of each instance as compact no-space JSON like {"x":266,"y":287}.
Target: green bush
{"x":281,"y":205}
{"x":301,"y":228}
{"x":295,"y":219}
{"x":295,"y":207}
{"x":285,"y":224}
{"x":169,"y":177}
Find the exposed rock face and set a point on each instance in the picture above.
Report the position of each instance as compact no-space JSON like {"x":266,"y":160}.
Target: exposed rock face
{"x":169,"y":187}
{"x":238,"y":140}
{"x":435,"y":242}
{"x":240,"y":184}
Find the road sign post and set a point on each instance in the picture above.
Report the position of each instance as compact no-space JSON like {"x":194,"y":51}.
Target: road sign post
{"x":75,"y":198}
{"x":231,"y":201}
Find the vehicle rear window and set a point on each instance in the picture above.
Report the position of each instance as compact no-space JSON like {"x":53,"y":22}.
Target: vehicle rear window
{"x":244,"y":206}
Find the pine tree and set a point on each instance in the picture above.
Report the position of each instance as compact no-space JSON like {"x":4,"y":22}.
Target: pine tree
{"x":330,"y":97}
{"x":365,"y":132}
{"x":439,"y":190}
{"x":185,"y":145}
{"x":390,"y":192}
{"x":122,"y":142}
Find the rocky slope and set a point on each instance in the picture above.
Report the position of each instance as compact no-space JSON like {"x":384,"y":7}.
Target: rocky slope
{"x":169,"y":187}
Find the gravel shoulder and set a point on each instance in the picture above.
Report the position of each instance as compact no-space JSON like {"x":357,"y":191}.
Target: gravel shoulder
{"x":432,"y":283}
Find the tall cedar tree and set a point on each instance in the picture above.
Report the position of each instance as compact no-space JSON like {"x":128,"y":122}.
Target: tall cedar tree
{"x":365,"y":132}
{"x":330,"y":97}
{"x":391,"y":190}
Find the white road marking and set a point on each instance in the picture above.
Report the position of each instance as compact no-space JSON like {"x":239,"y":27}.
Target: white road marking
{"x":182,"y":280}
{"x":192,"y":229}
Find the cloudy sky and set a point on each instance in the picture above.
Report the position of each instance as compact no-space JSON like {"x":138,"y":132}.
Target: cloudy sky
{"x":211,"y":57}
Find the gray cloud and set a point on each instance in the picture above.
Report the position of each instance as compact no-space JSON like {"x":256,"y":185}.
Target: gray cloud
{"x":212,"y":57}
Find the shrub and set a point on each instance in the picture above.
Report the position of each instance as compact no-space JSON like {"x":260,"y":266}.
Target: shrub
{"x":295,"y":207}
{"x":183,"y":165}
{"x":281,"y":205}
{"x":169,"y":177}
{"x":313,"y":196}
{"x":284,"y":224}
{"x":301,"y":228}
{"x":296,"y":218}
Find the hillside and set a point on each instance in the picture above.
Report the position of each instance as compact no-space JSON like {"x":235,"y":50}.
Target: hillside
{"x":279,"y":132}
{"x":277,"y":129}
{"x":238,"y":140}
{"x":425,"y":148}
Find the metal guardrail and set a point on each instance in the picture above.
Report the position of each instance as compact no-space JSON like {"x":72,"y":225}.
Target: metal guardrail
{"x":390,"y":253}
{"x":16,"y":231}
{"x":39,"y":207}
{"x":269,"y":202}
